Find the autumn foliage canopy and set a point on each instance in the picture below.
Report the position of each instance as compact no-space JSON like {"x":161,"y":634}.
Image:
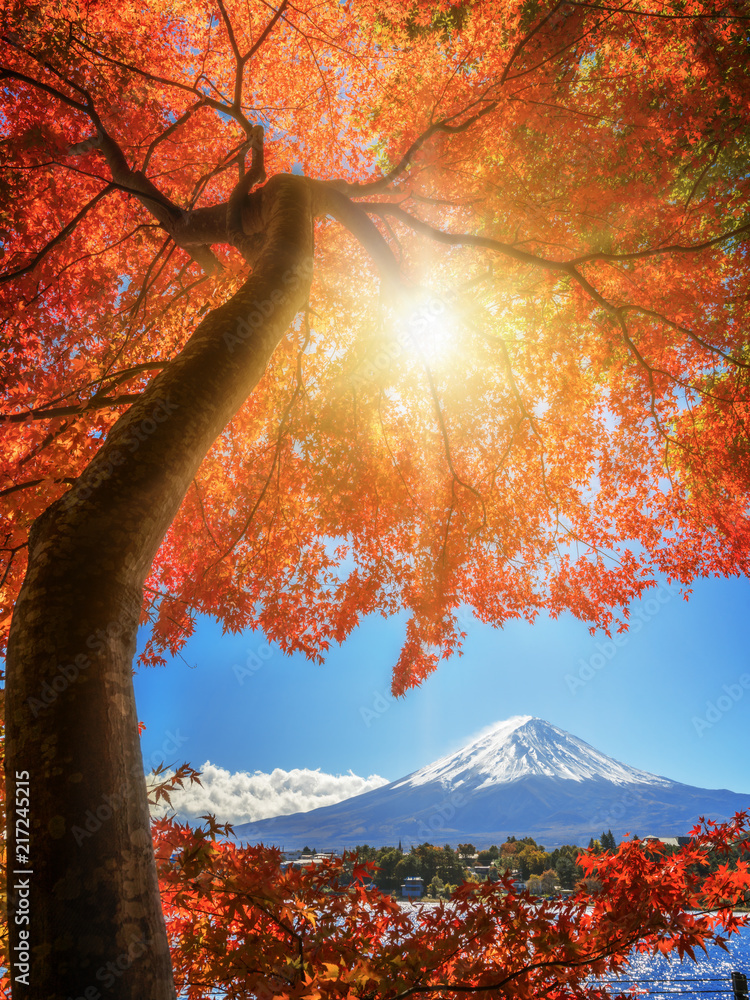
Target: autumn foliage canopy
{"x":547,"y":413}
{"x":519,"y":383}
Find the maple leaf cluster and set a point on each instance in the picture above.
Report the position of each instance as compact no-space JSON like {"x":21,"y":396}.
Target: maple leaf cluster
{"x":240,"y":923}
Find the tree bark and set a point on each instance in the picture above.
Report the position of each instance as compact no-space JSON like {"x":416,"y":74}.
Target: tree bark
{"x":88,"y":883}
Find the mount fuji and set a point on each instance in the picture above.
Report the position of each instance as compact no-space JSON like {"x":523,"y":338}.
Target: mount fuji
{"x":523,"y":777}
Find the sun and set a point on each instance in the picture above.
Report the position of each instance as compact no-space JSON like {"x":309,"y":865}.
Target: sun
{"x":427,"y":328}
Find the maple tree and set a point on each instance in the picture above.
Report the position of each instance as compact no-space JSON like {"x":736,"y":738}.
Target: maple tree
{"x":328,"y":309}
{"x":324,"y":935}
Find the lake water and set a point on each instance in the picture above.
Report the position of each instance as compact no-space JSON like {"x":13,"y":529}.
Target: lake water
{"x":658,"y":976}
{"x":709,"y":977}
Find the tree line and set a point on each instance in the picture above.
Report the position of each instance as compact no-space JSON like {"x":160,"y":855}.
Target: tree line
{"x":441,"y":868}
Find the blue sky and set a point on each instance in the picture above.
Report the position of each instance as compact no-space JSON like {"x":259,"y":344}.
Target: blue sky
{"x":245,"y":706}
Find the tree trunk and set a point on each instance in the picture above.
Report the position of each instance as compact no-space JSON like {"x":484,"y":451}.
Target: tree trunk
{"x":85,"y":899}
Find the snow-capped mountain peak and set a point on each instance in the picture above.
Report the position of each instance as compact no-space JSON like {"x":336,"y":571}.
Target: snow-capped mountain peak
{"x":522,"y":777}
{"x":521,"y":746}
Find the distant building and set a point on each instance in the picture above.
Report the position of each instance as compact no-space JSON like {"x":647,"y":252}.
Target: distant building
{"x":670,"y":841}
{"x":305,"y":861}
{"x":412,"y":888}
{"x":310,"y":859}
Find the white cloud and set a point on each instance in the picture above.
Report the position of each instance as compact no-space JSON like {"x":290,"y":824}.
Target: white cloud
{"x":241,"y":797}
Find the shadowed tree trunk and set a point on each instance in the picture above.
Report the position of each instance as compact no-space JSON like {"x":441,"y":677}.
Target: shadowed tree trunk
{"x":96,"y":922}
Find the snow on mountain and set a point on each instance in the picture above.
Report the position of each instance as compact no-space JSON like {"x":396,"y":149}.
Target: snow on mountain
{"x":523,"y":777}
{"x":522,"y":746}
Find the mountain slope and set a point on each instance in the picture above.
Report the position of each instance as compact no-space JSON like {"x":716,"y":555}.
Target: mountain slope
{"x":524,"y":777}
{"x":524,"y":746}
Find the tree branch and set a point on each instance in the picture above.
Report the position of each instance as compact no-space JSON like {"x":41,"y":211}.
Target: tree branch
{"x":467,"y":239}
{"x":33,"y":482}
{"x":658,"y":251}
{"x":223,"y":106}
{"x":447,"y":448}
{"x":669,"y":17}
{"x":230,"y":30}
{"x":255,"y":175}
{"x":649,"y":375}
{"x":67,"y":411}
{"x":8,"y":73}
{"x":266,"y":31}
{"x":564,"y":48}
{"x":702,"y":174}
{"x":630,"y":940}
{"x":240,"y":60}
{"x":65,"y":232}
{"x":330,"y":201}
{"x":374,"y":187}
{"x":13,"y":553}
{"x":520,"y":45}
{"x":170,"y":130}
{"x":165,"y":211}
{"x":688,"y":333}
{"x":299,"y":385}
